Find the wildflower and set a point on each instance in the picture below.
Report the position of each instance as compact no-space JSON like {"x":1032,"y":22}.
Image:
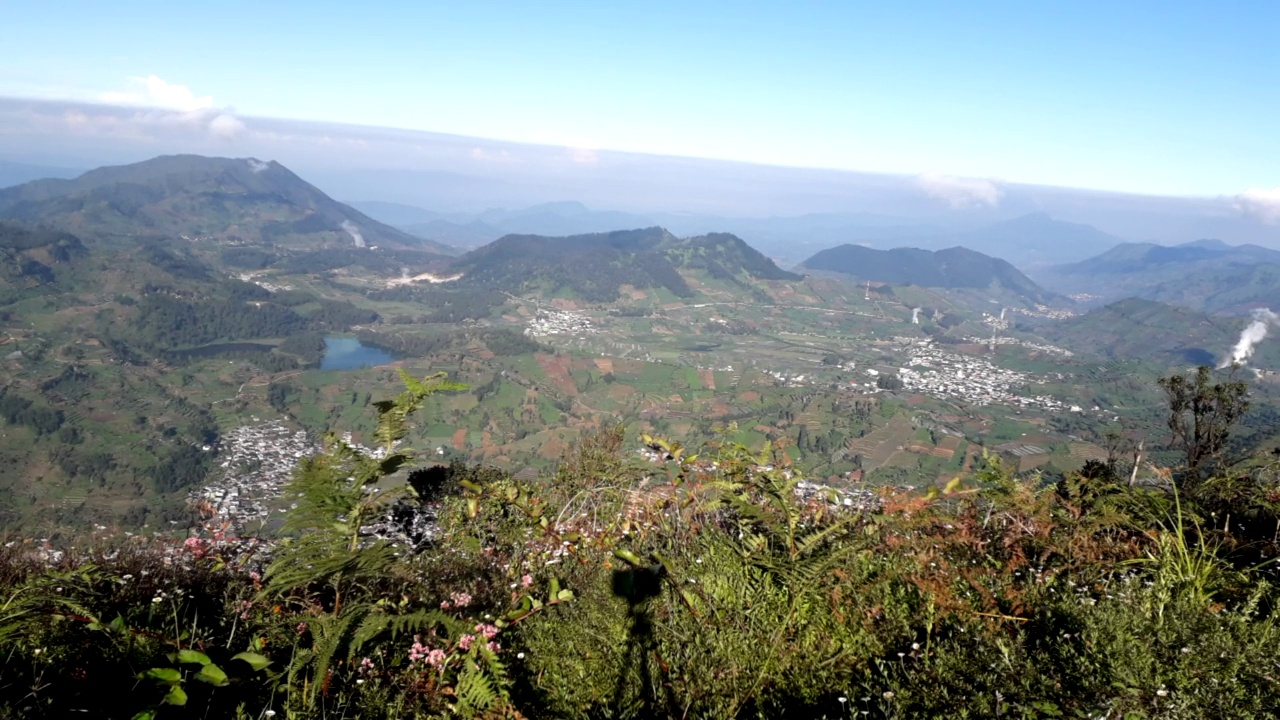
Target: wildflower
{"x":519,"y":656}
{"x":255,"y":576}
{"x":418,"y":652}
{"x":1162,"y":692}
{"x":465,"y":641}
{"x":269,"y":713}
{"x":488,"y":631}
{"x":302,"y":627}
{"x":366,"y":665}
{"x":1186,"y":650}
{"x":526,"y":581}
{"x":843,"y":699}
{"x":436,"y":658}
{"x":887,"y":695}
{"x":360,"y":681}
{"x":915,"y":646}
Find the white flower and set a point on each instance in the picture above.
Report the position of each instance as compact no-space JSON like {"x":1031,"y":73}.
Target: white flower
{"x":843,"y":699}
{"x":519,"y":656}
{"x":915,"y":646}
{"x":1162,"y":692}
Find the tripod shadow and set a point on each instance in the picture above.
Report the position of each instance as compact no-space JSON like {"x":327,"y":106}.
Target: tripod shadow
{"x":638,"y":586}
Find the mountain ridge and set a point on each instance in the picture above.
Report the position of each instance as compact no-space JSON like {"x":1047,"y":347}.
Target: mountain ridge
{"x":951,"y":268}
{"x":241,"y":199}
{"x":596,"y":265}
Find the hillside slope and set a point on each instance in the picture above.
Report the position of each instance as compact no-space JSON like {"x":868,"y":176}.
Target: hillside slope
{"x":1147,"y":330}
{"x":1207,"y":275}
{"x":595,"y":266}
{"x":239,"y":200}
{"x":951,"y":268}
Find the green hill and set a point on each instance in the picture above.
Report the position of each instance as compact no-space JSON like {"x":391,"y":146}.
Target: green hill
{"x":237,"y":200}
{"x":1146,"y":330}
{"x":1207,"y":275}
{"x":595,"y":266}
{"x":951,"y":268}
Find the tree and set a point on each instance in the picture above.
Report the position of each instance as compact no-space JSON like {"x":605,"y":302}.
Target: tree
{"x":1202,"y":413}
{"x":889,"y":382}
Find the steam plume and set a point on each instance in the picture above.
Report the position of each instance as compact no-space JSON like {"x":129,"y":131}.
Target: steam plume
{"x":354,"y":232}
{"x":1253,"y":334}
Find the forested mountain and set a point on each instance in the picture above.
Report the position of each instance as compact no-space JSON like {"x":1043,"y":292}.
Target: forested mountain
{"x":595,"y":266}
{"x":244,"y":200}
{"x":1207,"y":275}
{"x":1147,"y":330}
{"x":1029,"y":241}
{"x":951,"y":268}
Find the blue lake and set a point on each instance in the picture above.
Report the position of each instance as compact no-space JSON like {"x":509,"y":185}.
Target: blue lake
{"x":348,"y":353}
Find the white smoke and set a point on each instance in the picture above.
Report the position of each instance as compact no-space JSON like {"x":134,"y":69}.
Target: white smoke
{"x":1252,"y":334}
{"x":354,"y":232}
{"x":915,"y":316}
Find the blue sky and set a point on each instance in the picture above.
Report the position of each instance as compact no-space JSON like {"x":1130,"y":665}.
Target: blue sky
{"x":1161,"y":98}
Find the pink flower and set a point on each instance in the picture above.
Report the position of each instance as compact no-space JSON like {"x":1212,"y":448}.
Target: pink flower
{"x":526,"y":581}
{"x":488,"y":631}
{"x":436,"y":658}
{"x":195,"y":546}
{"x":302,"y":627}
{"x":464,"y":642}
{"x":493,"y":647}
{"x":255,"y":576}
{"x":460,"y":599}
{"x":418,"y":652}
{"x":366,"y":665}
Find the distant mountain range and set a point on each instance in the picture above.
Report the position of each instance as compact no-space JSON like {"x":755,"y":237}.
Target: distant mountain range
{"x":15,"y":173}
{"x":1207,"y":275}
{"x":230,"y":199}
{"x":1029,"y":241}
{"x":596,"y":266}
{"x":951,"y":268}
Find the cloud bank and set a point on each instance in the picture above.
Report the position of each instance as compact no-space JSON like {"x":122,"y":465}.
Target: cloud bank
{"x":961,"y":193}
{"x":153,"y":91}
{"x":1260,"y":204}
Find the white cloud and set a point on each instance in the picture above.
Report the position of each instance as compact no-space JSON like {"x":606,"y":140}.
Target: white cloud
{"x":153,"y":91}
{"x":961,"y":193}
{"x":226,"y":127}
{"x":1261,"y":204}
{"x":482,"y":155}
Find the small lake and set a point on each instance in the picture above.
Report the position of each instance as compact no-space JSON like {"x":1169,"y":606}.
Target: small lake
{"x":348,"y":353}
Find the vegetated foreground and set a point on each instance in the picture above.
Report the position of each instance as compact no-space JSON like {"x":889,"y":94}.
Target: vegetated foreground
{"x":721,"y":586}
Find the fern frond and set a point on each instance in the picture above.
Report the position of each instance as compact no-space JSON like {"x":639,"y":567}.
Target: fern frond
{"x":377,"y":624}
{"x":475,"y":691}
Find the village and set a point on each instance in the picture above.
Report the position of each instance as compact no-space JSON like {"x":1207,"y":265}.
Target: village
{"x":943,"y":374}
{"x":257,"y":461}
{"x":559,"y":322}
